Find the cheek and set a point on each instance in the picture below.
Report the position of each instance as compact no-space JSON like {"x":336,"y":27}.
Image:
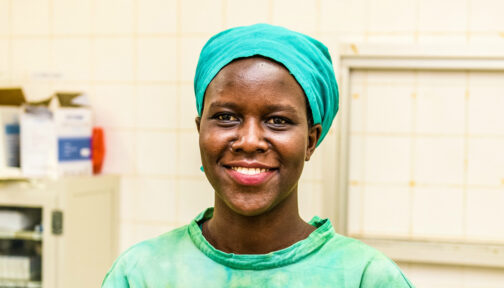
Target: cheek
{"x":292,"y":147}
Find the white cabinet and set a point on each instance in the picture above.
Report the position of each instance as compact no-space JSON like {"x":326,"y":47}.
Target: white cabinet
{"x":77,"y":233}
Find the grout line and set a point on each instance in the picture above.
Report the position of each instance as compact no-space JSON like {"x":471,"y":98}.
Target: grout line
{"x":363,"y":165}
{"x":413,"y":144}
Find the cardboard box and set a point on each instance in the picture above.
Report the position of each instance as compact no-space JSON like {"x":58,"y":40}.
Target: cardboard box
{"x":56,"y":137}
{"x":11,"y":102}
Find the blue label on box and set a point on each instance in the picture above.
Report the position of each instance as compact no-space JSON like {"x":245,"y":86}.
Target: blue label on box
{"x":74,"y":149}
{"x":11,"y":129}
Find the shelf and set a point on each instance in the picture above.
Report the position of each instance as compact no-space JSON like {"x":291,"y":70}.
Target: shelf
{"x":7,"y":283}
{"x":21,"y":235}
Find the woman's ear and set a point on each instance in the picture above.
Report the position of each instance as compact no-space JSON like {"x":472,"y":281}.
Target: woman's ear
{"x":198,"y":122}
{"x":313,"y":137}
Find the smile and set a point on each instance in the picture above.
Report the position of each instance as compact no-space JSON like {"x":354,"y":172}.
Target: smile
{"x":250,"y":171}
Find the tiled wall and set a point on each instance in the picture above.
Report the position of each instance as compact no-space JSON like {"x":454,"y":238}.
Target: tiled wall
{"x":136,"y":60}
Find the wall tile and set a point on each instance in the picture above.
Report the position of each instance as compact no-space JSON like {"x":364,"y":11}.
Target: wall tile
{"x":387,"y":159}
{"x":4,"y":60}
{"x":389,"y":109}
{"x":191,"y":48}
{"x":5,"y":20}
{"x":383,"y":16}
{"x":120,"y":157}
{"x":298,"y":15}
{"x":485,"y":108}
{"x":355,"y":209}
{"x":485,"y":161}
{"x":190,"y":160}
{"x":187,"y":107}
{"x":157,"y":16}
{"x":194,"y":197}
{"x":145,"y":231}
{"x":155,"y":106}
{"x":357,"y":159}
{"x":128,"y":198}
{"x":434,"y":99}
{"x":313,"y":169}
{"x":156,"y":153}
{"x":36,"y":11}
{"x":201,"y":16}
{"x":391,"y":78}
{"x":358,"y":99}
{"x":114,"y":105}
{"x":344,"y":16}
{"x":402,"y":38}
{"x":243,"y":12}
{"x":30,"y":56}
{"x":386,"y":210}
{"x":71,"y":17}
{"x":485,"y":214}
{"x":127,"y":236}
{"x":113,"y":17}
{"x":157,"y":59}
{"x":310,"y":199}
{"x":485,"y":15}
{"x":435,"y":276}
{"x":72,"y":58}
{"x":483,"y":277}
{"x":156,"y":200}
{"x":430,"y":217}
{"x":443,"y":38}
{"x":113,"y":59}
{"x":439,"y":161}
{"x":433,"y":15}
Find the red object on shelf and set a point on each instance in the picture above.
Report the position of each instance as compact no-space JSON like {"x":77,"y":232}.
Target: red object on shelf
{"x":98,"y":149}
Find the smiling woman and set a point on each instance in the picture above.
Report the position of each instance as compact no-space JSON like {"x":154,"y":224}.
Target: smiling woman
{"x":266,"y":97}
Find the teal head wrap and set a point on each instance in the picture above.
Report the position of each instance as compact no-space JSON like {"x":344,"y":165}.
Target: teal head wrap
{"x":307,"y":60}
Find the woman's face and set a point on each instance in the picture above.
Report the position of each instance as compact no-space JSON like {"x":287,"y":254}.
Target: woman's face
{"x":254,"y":135}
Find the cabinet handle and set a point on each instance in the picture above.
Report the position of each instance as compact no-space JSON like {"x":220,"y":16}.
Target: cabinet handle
{"x":57,"y":222}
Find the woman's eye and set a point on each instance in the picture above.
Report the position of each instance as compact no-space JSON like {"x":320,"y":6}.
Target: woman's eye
{"x":277,"y":121}
{"x":226,"y":117}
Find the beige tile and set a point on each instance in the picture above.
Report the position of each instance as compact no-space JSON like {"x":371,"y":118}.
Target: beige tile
{"x":298,"y":15}
{"x":128,"y":198}
{"x":485,"y":15}
{"x":187,"y":107}
{"x":439,"y":161}
{"x":357,"y":159}
{"x":30,"y":17}
{"x":310,"y":199}
{"x":191,"y":49}
{"x":387,"y":159}
{"x":386,"y":211}
{"x":391,"y":78}
{"x":485,"y":161}
{"x":30,"y":56}
{"x":114,"y":105}
{"x":72,"y":58}
{"x":490,"y":38}
{"x":113,"y":17}
{"x":358,"y":98}
{"x":156,"y":153}
{"x":383,"y":16}
{"x":355,"y":210}
{"x":442,"y":38}
{"x":190,"y":159}
{"x":156,"y":200}
{"x":433,"y":15}
{"x":403,"y":38}
{"x":485,"y":108}
{"x":156,"y":106}
{"x":433,"y":103}
{"x":243,"y":12}
{"x":5,"y":20}
{"x":37,"y":90}
{"x":485,"y":214}
{"x":201,"y":16}
{"x":120,"y":156}
{"x":436,"y":276}
{"x":4,"y":60}
{"x":389,"y":108}
{"x":438,"y":212}
{"x":157,"y":59}
{"x":113,"y":59}
{"x":157,"y":16}
{"x":344,"y":16}
{"x":71,"y":17}
{"x":127,"y":236}
{"x":194,"y":196}
{"x":483,"y":277}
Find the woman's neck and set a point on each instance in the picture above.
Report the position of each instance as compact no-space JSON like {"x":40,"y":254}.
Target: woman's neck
{"x":270,"y":231}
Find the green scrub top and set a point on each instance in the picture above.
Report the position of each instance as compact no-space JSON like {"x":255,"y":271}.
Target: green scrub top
{"x":183,"y":258}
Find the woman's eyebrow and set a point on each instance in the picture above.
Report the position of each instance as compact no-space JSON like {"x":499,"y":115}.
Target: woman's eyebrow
{"x":282,"y":107}
{"x":220,"y":104}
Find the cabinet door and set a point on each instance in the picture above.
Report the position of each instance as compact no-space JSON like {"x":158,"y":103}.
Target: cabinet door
{"x":88,"y":243}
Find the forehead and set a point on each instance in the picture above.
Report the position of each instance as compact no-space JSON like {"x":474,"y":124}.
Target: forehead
{"x":255,"y":79}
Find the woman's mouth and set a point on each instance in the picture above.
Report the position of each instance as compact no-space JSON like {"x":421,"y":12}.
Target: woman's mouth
{"x":250,"y":176}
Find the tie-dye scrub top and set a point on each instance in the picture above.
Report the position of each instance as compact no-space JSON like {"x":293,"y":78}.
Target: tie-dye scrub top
{"x":183,"y":258}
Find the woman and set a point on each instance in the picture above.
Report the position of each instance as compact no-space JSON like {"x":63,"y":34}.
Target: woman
{"x":266,"y":96}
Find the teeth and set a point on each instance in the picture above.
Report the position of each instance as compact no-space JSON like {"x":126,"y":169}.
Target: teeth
{"x":249,"y":171}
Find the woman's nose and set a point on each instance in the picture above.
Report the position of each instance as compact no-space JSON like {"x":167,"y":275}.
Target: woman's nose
{"x":250,"y":138}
